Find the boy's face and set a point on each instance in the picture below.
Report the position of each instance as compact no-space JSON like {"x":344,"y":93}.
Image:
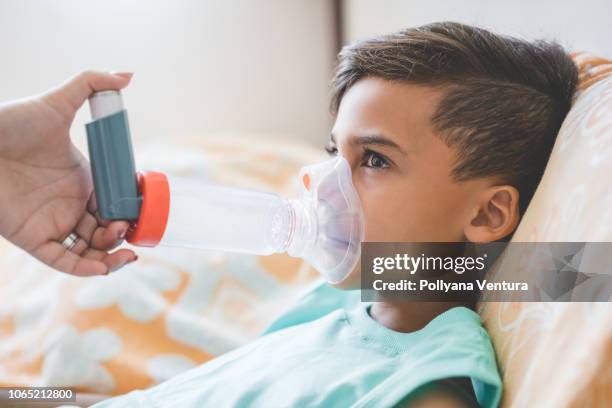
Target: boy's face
{"x":401,"y":169}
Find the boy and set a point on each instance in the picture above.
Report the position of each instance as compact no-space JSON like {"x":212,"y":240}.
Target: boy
{"x":447,"y":129}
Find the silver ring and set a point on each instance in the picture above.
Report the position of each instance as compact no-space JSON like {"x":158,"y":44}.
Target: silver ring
{"x":70,"y":241}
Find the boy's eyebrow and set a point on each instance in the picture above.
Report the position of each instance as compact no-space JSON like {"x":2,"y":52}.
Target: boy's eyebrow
{"x":371,"y":139}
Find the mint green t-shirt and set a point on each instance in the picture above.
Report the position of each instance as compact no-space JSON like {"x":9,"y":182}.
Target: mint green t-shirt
{"x":326,"y":351}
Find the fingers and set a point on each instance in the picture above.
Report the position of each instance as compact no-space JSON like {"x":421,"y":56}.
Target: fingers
{"x":104,"y":237}
{"x":83,"y":260}
{"x":56,"y":256}
{"x":113,"y":261}
{"x":91,"y":262}
{"x":77,"y":89}
{"x":78,"y":266}
{"x":101,"y":234}
{"x":95,"y":240}
{"x":92,"y":207}
{"x":86,"y":226}
{"x":94,"y":262}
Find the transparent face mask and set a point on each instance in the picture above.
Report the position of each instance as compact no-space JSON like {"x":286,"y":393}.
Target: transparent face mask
{"x":334,"y":247}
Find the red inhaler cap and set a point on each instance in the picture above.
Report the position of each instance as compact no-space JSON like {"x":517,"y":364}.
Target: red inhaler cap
{"x":151,"y":224}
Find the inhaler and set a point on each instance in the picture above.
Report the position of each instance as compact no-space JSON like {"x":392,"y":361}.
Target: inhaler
{"x":324,"y":226}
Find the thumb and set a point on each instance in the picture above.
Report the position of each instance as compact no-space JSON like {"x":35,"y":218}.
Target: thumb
{"x":76,"y":90}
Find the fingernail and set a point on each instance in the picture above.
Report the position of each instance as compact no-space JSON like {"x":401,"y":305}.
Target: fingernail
{"x":123,"y":74}
{"x":126,"y":263}
{"x":122,"y":233}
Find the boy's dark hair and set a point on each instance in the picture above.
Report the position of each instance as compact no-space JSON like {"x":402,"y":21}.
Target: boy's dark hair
{"x":504,"y":99}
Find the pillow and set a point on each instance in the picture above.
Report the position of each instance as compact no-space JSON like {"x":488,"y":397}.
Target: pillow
{"x":173,"y":309}
{"x":559,"y":354}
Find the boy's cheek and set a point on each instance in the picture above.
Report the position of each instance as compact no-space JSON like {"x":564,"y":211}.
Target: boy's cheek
{"x":386,"y":225}
{"x":376,"y":217}
{"x":390,"y":215}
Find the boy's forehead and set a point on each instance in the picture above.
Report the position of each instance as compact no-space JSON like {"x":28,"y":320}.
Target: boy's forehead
{"x":398,"y":110}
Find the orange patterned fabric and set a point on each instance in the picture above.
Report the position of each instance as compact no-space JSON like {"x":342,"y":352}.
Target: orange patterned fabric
{"x":559,"y":354}
{"x":172,"y":310}
{"x":591,"y":68}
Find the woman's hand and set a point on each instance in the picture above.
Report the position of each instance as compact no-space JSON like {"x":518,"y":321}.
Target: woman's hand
{"x":46,"y":189}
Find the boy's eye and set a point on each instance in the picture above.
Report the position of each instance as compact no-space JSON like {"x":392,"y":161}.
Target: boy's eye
{"x":331,"y":150}
{"x":375,"y":160}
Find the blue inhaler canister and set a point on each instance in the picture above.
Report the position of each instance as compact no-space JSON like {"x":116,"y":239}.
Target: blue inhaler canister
{"x":112,"y":158}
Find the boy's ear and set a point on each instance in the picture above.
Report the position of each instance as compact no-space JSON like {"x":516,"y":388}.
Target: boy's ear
{"x":496,"y":215}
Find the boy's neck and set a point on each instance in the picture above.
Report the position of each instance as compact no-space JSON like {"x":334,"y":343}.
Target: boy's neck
{"x":405,"y":317}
